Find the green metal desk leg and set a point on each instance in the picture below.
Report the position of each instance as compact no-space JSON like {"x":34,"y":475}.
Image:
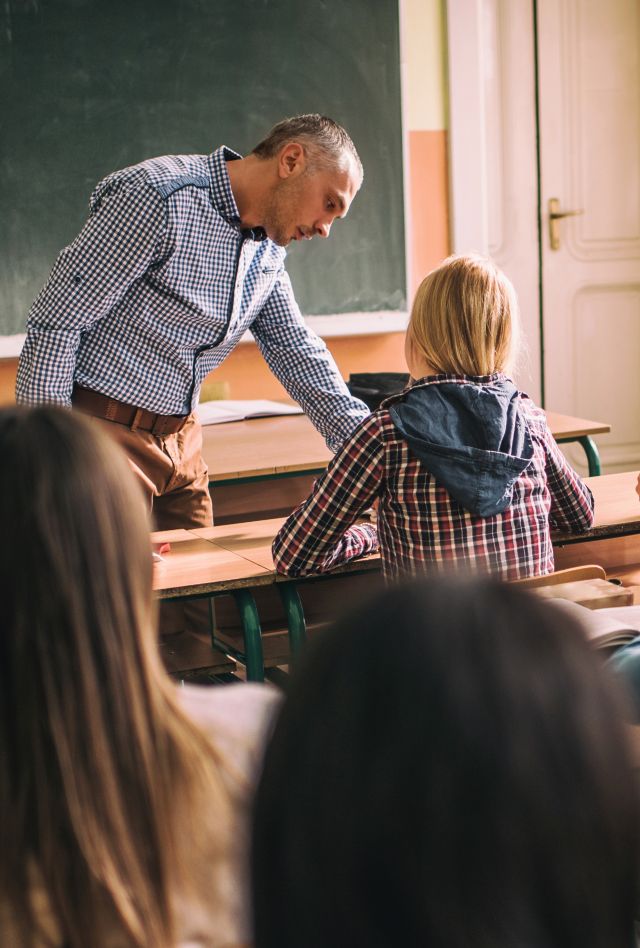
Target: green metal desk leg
{"x":252,"y":634}
{"x":593,"y":457}
{"x":295,"y":617}
{"x":589,"y":447}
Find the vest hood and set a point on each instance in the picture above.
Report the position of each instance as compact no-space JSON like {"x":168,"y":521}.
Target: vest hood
{"x":471,"y":435}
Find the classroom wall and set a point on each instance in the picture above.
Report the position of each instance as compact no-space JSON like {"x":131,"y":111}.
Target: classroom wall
{"x":423,"y":65}
{"x":245,"y":374}
{"x":423,"y":25}
{"x":425,"y":104}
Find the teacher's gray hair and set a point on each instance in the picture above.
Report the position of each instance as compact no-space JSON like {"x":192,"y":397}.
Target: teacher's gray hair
{"x":327,"y":144}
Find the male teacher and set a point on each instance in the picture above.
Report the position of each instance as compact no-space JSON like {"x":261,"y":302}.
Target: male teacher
{"x":179,"y":257}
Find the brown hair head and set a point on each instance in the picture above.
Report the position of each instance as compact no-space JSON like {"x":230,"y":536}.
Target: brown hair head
{"x":457,"y":773}
{"x":99,"y":764}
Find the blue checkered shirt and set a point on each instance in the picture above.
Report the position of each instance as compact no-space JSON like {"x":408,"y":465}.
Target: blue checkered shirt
{"x":156,"y":291}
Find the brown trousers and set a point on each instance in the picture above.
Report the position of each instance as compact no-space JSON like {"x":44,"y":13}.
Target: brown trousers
{"x":175,"y":481}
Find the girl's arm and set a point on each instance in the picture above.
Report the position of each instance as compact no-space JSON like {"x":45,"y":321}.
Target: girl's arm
{"x":322,"y":531}
{"x":571,"y":499}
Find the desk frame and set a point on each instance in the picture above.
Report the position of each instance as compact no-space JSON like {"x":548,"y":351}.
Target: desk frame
{"x":591,"y":451}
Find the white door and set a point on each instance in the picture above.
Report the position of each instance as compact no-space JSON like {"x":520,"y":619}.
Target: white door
{"x":588,"y":60}
{"x":589,"y":115}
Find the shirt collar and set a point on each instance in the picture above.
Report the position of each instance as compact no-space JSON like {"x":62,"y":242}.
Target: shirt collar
{"x":455,"y":377}
{"x":222,"y":194}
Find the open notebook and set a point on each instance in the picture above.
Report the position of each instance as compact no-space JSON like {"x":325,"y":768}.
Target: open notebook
{"x":217,"y":412}
{"x":606,"y":628}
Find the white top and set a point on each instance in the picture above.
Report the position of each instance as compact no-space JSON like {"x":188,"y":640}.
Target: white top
{"x":236,"y":719}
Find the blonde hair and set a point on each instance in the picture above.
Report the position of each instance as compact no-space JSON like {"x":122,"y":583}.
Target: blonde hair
{"x":464,"y":319}
{"x":102,"y":772}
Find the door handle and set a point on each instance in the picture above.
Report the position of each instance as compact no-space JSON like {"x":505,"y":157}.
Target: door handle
{"x":555,"y":215}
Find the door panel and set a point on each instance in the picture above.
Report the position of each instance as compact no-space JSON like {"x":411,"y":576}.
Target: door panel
{"x":589,"y":82}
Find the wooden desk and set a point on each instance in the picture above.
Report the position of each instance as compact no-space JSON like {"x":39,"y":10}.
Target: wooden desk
{"x":262,"y":448}
{"x":614,"y":540}
{"x":617,"y":508}
{"x":568,"y":428}
{"x":251,"y":541}
{"x":196,"y":568}
{"x":285,"y":454}
{"x":288,"y":445}
{"x":236,"y":560}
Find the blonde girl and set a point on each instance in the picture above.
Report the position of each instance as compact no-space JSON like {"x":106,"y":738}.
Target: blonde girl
{"x":463,"y":466}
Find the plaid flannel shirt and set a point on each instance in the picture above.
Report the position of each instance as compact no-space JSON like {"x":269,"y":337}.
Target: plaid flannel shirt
{"x":419,"y":525}
{"x":159,"y":287}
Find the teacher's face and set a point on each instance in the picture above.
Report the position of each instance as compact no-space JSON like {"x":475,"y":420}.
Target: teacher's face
{"x":305,"y":204}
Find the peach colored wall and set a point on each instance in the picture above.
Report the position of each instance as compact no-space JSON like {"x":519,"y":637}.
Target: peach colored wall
{"x":428,"y":203}
{"x":424,"y":65}
{"x":7,"y":380}
{"x":247,"y":375}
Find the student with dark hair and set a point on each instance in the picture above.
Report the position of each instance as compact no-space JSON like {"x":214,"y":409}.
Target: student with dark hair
{"x":449,"y":770}
{"x":123,"y":799}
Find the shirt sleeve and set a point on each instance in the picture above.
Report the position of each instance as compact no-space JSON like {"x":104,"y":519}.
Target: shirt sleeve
{"x":321,"y":532}
{"x":571,"y":499}
{"x":302,"y":363}
{"x":114,"y":249}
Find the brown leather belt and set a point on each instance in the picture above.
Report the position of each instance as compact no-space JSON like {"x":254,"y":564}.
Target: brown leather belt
{"x":101,"y":406}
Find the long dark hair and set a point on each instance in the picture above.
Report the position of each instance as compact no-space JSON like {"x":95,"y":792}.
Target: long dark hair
{"x":100,"y":769}
{"x":449,"y":769}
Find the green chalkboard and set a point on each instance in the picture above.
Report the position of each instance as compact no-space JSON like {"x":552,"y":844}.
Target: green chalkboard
{"x":89,"y":86}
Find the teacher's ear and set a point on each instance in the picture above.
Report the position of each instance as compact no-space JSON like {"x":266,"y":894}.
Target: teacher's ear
{"x":292,"y":160}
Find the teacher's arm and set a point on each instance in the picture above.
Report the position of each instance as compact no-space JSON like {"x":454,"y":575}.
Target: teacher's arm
{"x":301,"y":361}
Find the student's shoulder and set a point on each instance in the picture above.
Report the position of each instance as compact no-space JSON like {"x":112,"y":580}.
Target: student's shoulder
{"x":377,"y":426}
{"x":535,"y":416}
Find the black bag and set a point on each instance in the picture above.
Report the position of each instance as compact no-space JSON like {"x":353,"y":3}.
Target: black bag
{"x":374,"y":387}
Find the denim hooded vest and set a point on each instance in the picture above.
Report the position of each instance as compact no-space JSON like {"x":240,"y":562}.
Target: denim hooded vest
{"x":469,"y":433}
